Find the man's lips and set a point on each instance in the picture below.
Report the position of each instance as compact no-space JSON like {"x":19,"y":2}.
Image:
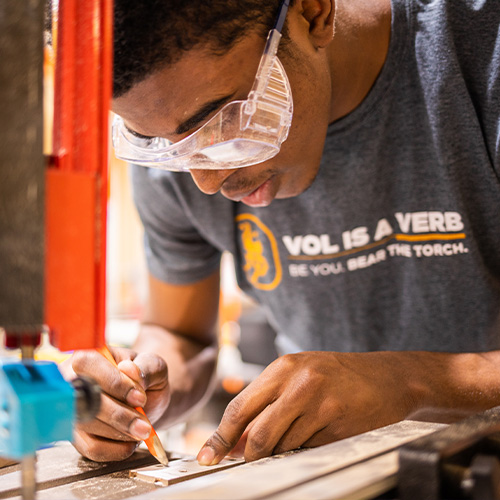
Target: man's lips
{"x":262,"y":196}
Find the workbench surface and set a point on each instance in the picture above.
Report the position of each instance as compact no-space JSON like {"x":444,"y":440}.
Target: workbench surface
{"x":363,"y":466}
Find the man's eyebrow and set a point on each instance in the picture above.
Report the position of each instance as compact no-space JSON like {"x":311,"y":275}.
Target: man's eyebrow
{"x":201,"y":114}
{"x":193,"y":120}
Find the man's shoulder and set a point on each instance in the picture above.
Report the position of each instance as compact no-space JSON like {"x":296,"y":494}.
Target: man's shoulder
{"x":459,"y":37}
{"x":471,"y":17}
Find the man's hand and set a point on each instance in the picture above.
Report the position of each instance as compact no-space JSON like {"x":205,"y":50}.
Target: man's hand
{"x":178,"y":331}
{"x":141,"y":380}
{"x":310,"y":399}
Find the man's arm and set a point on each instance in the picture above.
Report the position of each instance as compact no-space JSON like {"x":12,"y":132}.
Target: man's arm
{"x":168,"y":372}
{"x":179,"y":325}
{"x":313,"y":398}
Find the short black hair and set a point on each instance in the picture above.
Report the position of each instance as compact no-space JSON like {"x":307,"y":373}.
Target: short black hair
{"x":152,"y":34}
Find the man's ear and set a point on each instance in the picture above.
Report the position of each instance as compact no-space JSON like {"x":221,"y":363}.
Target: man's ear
{"x":320,"y":15}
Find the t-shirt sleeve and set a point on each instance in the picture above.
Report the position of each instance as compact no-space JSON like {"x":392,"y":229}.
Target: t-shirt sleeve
{"x":477,"y":40}
{"x":175,"y":251}
{"x":491,"y":107}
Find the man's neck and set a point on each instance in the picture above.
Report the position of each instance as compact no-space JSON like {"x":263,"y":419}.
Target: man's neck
{"x":357,"y":52}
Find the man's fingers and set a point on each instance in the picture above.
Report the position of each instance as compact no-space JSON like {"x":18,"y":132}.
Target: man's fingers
{"x":239,"y":450}
{"x":122,"y":353}
{"x":104,"y":430}
{"x":239,"y":413}
{"x":124,"y":419}
{"x":111,"y":380}
{"x":268,"y":429}
{"x":101,"y":449}
{"x":324,"y":435}
{"x":300,"y":433}
{"x":129,"y":368}
{"x":147,"y":369}
{"x":117,"y":429}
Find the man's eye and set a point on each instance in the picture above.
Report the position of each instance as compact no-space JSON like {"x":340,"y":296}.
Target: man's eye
{"x":142,"y":142}
{"x":153,"y":143}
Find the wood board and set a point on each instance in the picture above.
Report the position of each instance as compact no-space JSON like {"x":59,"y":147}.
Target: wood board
{"x":361,"y":481}
{"x":114,"y":486}
{"x":359,"y":467}
{"x":62,"y":464}
{"x":272,"y":476}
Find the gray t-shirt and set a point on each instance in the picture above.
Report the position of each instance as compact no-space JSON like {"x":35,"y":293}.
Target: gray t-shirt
{"x":396,"y":245}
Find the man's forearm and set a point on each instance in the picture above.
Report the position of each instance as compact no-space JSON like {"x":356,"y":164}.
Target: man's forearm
{"x":454,"y":383}
{"x":191,"y":368}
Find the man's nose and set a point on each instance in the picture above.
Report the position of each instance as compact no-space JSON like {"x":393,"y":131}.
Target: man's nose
{"x":210,"y":181}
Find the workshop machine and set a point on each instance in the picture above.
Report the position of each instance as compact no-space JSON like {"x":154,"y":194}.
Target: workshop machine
{"x":52,"y":217}
{"x":52,"y":272}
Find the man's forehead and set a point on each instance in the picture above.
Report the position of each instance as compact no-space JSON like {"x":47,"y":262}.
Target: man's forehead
{"x":196,"y":79}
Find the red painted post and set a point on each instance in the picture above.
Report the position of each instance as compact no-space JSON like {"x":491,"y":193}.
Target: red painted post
{"x":77,"y":177}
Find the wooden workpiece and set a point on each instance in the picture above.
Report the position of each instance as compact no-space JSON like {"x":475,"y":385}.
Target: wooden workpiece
{"x":62,"y":465}
{"x":181,"y":470}
{"x":359,"y":467}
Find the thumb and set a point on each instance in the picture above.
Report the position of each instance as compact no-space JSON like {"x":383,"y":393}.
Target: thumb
{"x":147,"y":369}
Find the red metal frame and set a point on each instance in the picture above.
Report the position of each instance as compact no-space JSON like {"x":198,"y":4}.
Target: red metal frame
{"x":77,"y":177}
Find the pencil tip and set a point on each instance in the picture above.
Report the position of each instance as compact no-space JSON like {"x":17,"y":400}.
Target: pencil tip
{"x":161,"y":456}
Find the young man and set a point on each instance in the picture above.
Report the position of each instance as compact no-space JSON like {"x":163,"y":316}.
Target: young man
{"x":371,"y":238}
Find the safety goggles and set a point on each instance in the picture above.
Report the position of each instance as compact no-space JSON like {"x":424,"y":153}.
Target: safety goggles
{"x":242,"y":133}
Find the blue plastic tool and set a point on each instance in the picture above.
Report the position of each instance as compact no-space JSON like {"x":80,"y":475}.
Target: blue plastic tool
{"x":37,"y":407}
